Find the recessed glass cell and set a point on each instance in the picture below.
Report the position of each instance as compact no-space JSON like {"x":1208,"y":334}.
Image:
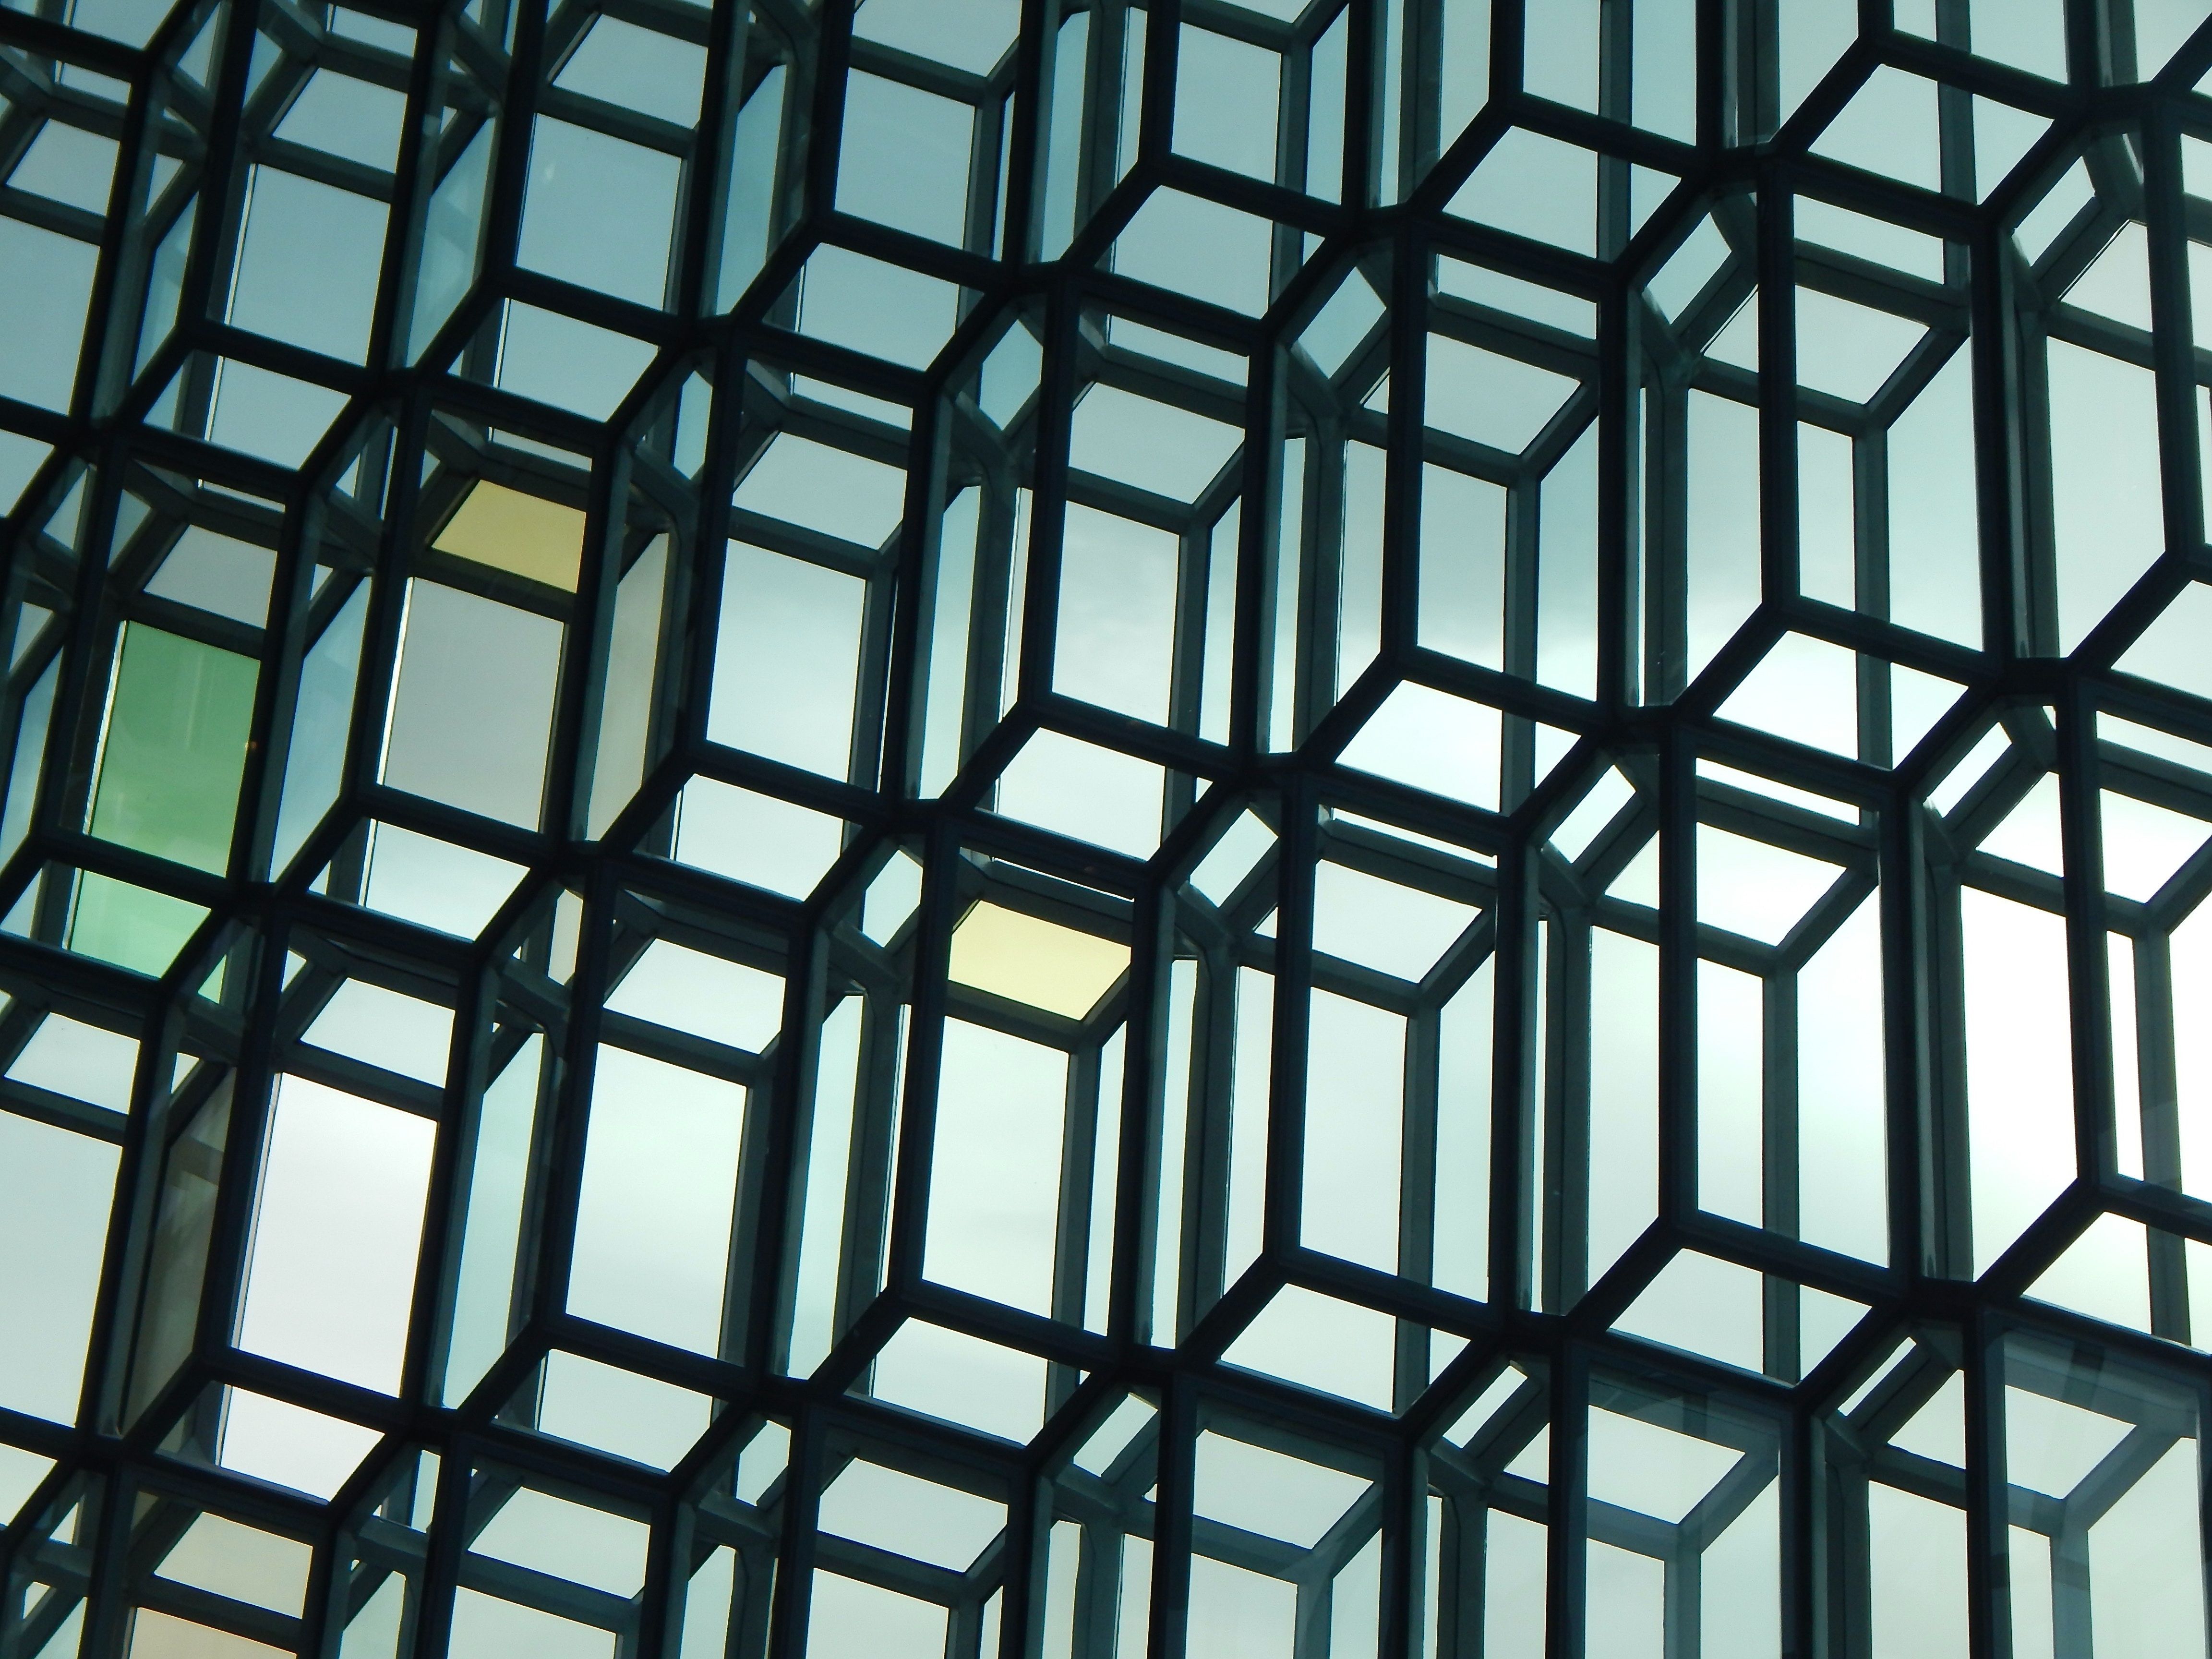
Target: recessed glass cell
{"x":38,"y":350}
{"x":175,"y":747}
{"x":217,"y":572}
{"x":69,"y":165}
{"x":1493,"y":399}
{"x":509,"y":530}
{"x":1028,"y":959}
{"x":309,"y":259}
{"x":332,"y":1158}
{"x":966,"y":34}
{"x":60,"y":1185}
{"x":788,"y":659}
{"x":654,"y":1209}
{"x":904,"y":158}
{"x":598,"y":211}
{"x":876,"y":308}
{"x":1227,"y":91}
{"x":619,"y":63}
{"x":1197,"y":247}
{"x":461,"y":650}
{"x":1157,"y":448}
{"x":347,"y":116}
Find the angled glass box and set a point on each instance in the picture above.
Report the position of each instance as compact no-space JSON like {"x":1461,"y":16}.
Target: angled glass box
{"x":971,"y":829}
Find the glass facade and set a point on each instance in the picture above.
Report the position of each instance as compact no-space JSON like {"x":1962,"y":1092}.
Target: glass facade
{"x":1066,"y":830}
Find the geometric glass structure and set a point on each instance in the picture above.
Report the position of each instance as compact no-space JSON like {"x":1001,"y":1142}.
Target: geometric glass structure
{"x":1353,"y":828}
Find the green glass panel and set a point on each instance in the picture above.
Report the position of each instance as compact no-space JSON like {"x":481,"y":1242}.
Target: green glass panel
{"x":176,"y":746}
{"x":129,"y":926}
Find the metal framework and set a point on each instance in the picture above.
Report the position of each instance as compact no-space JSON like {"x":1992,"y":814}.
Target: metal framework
{"x":1315,"y":830}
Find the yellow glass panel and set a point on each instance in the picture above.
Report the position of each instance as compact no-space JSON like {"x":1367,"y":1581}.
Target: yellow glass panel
{"x":157,"y":1636}
{"x":1025,"y":959}
{"x":510,"y":531}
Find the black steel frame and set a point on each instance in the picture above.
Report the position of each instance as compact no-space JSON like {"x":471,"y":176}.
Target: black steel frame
{"x":424,"y":416}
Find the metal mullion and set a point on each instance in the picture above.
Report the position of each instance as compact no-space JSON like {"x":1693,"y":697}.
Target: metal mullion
{"x":1665,"y":543}
{"x":86,"y":660}
{"x":1620,"y":537}
{"x":116,"y":270}
{"x":1202,"y":321}
{"x":1049,"y":470}
{"x":1249,"y":24}
{"x":1294,"y":127}
{"x":1513,"y":1125}
{"x":865,"y":1208}
{"x":1947,"y":1229}
{"x":1320,"y":540}
{"x":843,"y":428}
{"x":1417,"y":1194}
{"x":1521,"y":591}
{"x":1470,"y":458}
{"x":1078,"y":1140}
{"x":1567,"y":1506}
{"x":1028,"y":135}
{"x":675,"y":1047}
{"x":1129,"y":502}
{"x":1286,"y":1088}
{"x":1864,"y":281}
{"x":133,"y":1218}
{"x":1787,"y":824}
{"x":106,"y":1616}
{"x":360,"y":61}
{"x":1988,"y":1576}
{"x":1187,"y":669}
{"x":1099,"y":1589}
{"x":48,"y":38}
{"x":446,"y":1192}
{"x":1566,"y":350}
{"x":585,"y":651}
{"x":797,"y":541}
{"x":546,"y":1243}
{"x":413,"y":179}
{"x":1904,"y":896}
{"x":913,"y":1177}
{"x":2174,"y":344}
{"x":2154,"y":1050}
{"x":615,"y":121}
{"x":1207,"y":1099}
{"x":1360,"y":846}
{"x":1781,"y":1160}
{"x":2011,"y":488}
{"x":1105,"y":51}
{"x":2161,"y":783}
{"x":1170,"y":1600}
{"x":1169,"y":383}
{"x":1357,"y":982}
{"x":2095,"y":332}
{"x":364,"y":1081}
{"x":1260,"y":497}
{"x":1024,"y":1561}
{"x":1144,"y":1081}
{"x":887,"y":1568}
{"x":237,"y":1197}
{"x":2089,"y":997}
{"x":1564,"y":1131}
{"x":1677,"y":1125}
{"x":1404,"y":1502}
{"x":925,"y":74}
